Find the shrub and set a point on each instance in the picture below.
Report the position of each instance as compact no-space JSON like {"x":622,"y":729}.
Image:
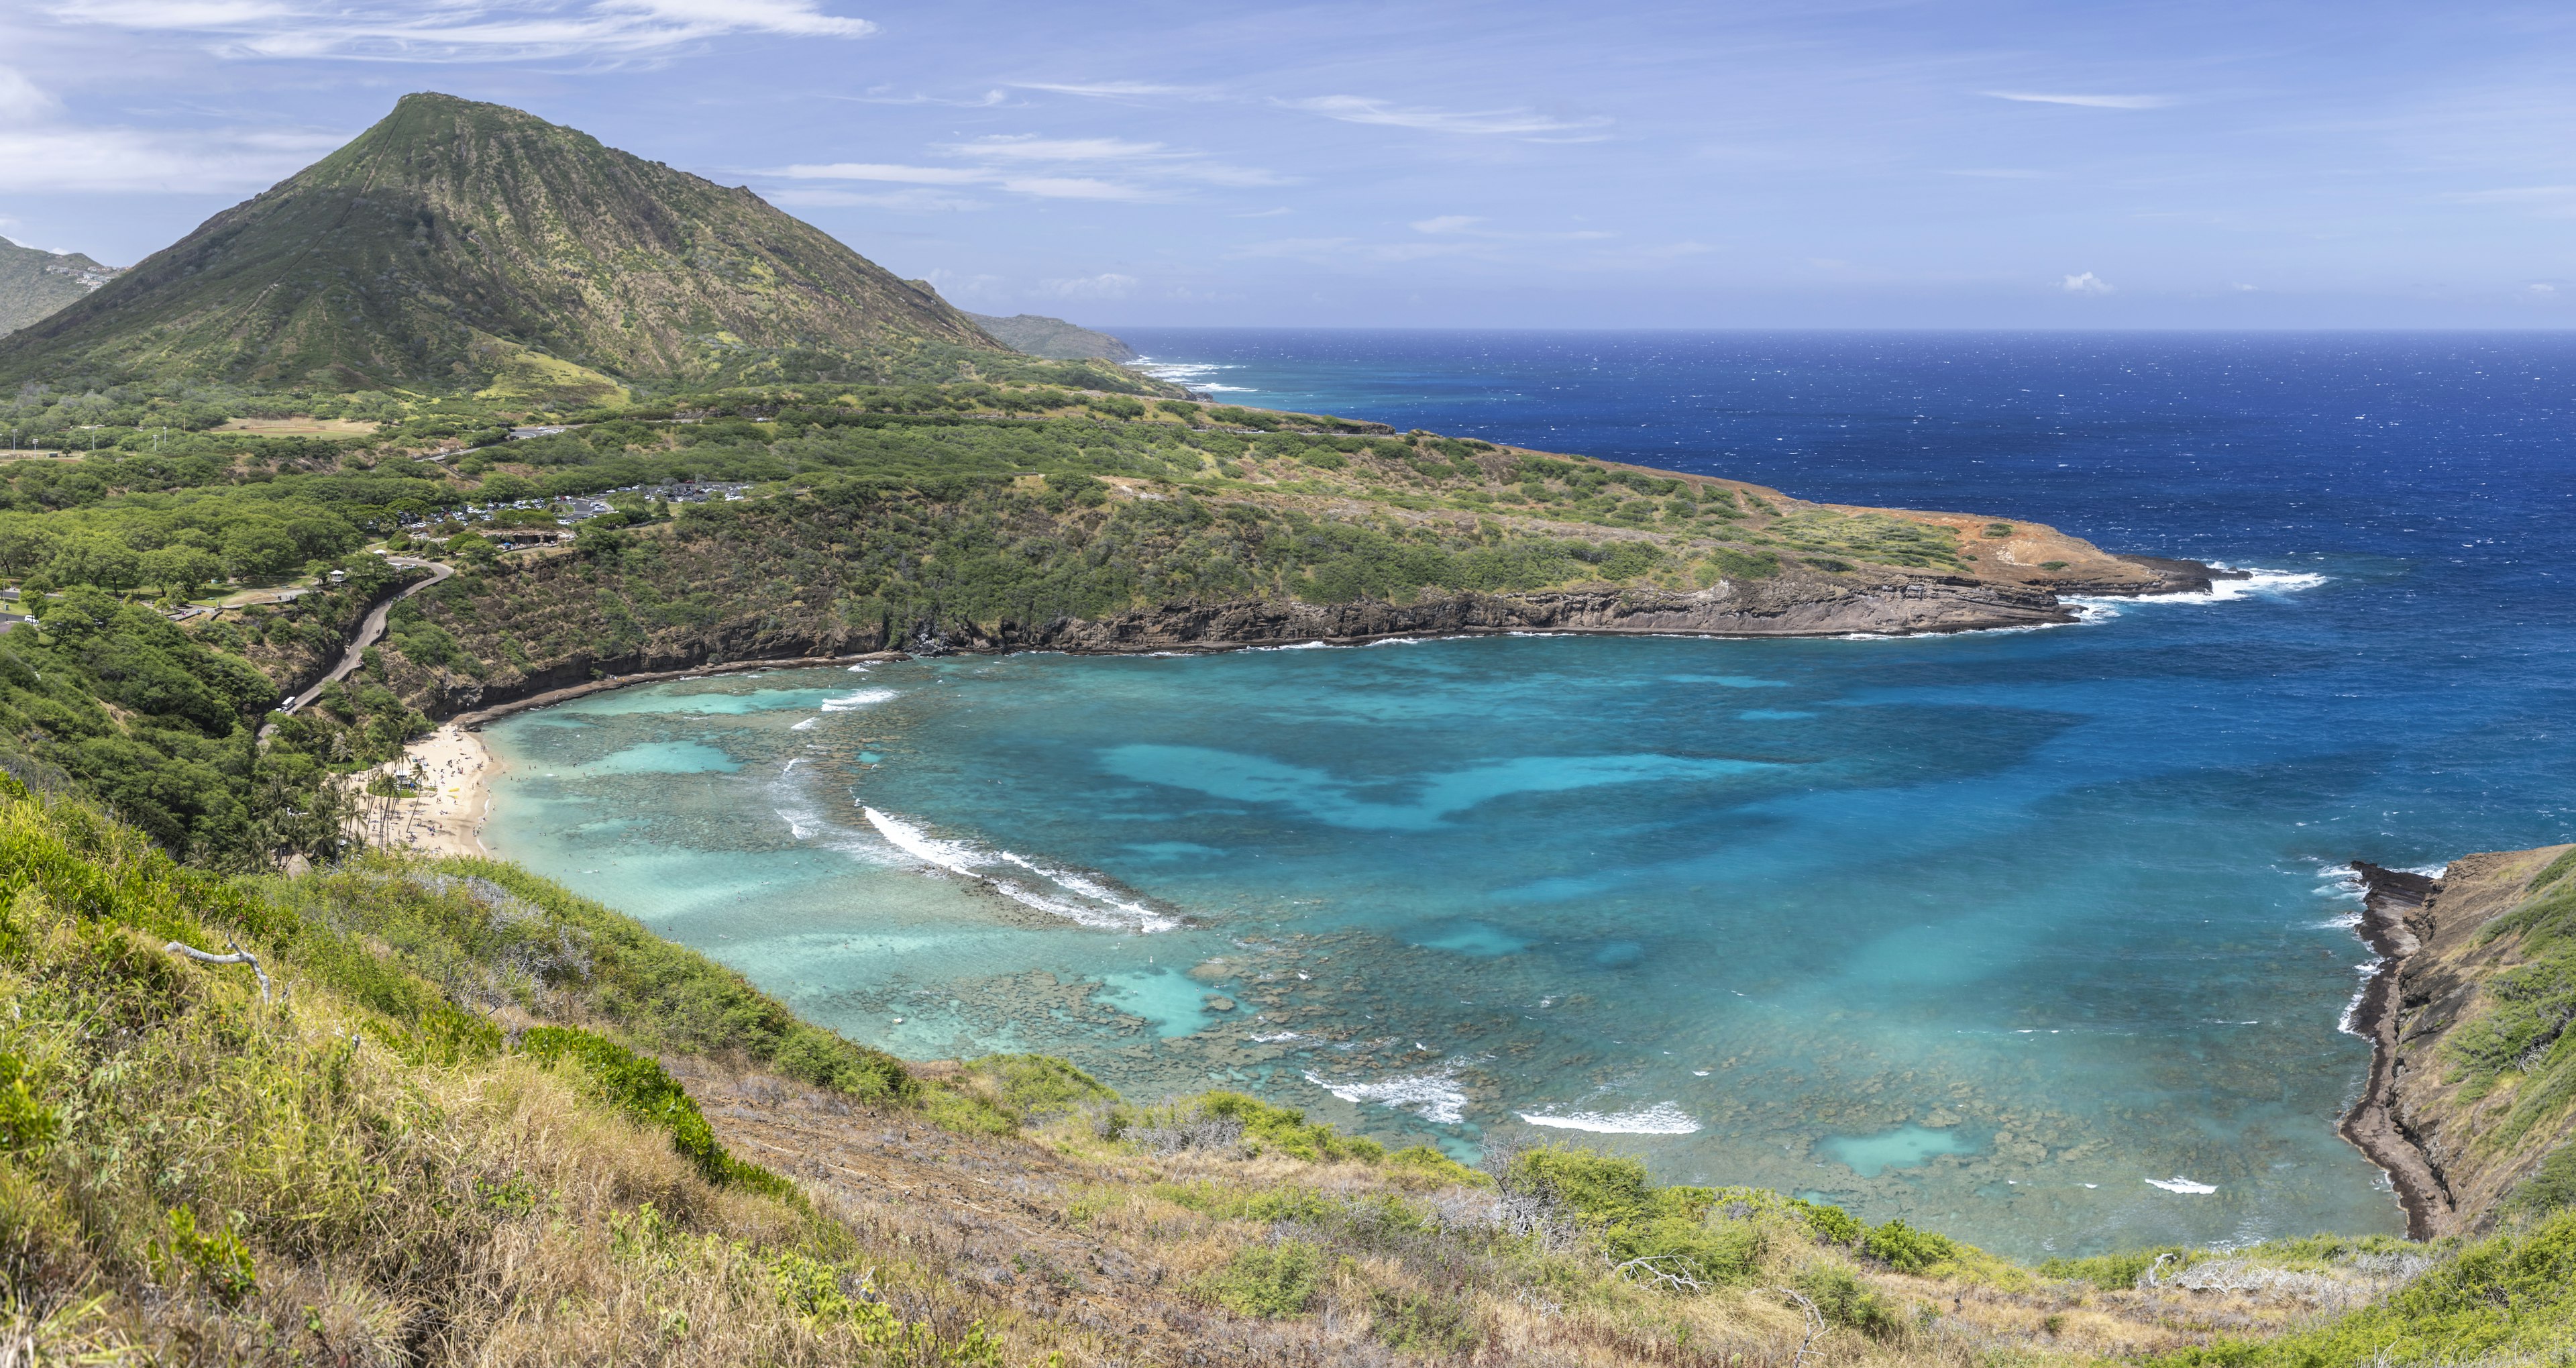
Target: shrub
{"x":1420,"y":1324}
{"x":2111,"y":1272}
{"x":1831,"y":1224}
{"x":1431,"y":1163}
{"x":1595,"y":1189}
{"x":1032,"y":1087}
{"x":1284,"y":1130}
{"x":216,"y":1257}
{"x":26,"y":1123}
{"x":1999,"y":529}
{"x":1907,"y":1250}
{"x":1280,"y":1280}
{"x":1842,"y":1301}
{"x":1728,"y":563}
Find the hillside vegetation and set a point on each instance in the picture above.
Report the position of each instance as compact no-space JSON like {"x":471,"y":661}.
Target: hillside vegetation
{"x":455,"y":1114}
{"x":986,"y":512}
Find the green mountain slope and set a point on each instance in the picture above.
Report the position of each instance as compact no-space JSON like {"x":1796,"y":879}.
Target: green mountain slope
{"x":457,"y":245}
{"x":1039,"y":335}
{"x":34,"y":282}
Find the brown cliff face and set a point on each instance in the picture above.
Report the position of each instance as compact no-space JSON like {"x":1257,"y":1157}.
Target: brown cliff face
{"x":2472,"y":1088}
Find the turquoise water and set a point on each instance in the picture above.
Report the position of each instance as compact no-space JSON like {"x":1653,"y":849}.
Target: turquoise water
{"x":2039,"y":938}
{"x":1937,"y":941}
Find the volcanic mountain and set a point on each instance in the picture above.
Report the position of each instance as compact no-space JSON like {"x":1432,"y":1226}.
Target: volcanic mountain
{"x":457,"y":245}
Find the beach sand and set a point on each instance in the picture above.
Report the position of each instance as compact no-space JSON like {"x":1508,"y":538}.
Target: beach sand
{"x":446,"y":817}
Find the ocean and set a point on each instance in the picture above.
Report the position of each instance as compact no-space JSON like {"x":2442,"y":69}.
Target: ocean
{"x":2041,"y":938}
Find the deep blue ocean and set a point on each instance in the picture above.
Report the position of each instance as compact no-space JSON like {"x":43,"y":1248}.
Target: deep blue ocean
{"x":2041,"y":938}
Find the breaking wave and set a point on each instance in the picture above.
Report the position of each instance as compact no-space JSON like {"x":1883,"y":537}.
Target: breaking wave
{"x":1065,"y":893}
{"x":1433,"y":1096}
{"x":1663,"y":1118}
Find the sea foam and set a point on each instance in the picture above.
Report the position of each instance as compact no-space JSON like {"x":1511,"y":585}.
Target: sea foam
{"x":1065,"y":893}
{"x":1436,"y":1097}
{"x":2178,"y":1183}
{"x":2270,"y":583}
{"x":1663,"y":1118}
{"x":860,"y":699}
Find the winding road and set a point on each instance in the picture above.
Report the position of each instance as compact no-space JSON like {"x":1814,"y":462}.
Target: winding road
{"x":370,"y":630}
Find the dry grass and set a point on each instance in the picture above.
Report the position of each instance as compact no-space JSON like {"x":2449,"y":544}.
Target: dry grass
{"x":1067,"y":1243}
{"x":210,"y":1178}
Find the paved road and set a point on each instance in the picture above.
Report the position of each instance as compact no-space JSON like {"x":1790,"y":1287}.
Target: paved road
{"x":369,"y":632}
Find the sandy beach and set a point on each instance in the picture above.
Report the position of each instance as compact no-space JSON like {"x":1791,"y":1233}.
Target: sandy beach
{"x":446,"y":817}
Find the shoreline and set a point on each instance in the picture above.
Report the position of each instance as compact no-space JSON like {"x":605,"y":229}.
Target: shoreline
{"x":2390,"y":898}
{"x":467,"y":722}
{"x":447,"y":816}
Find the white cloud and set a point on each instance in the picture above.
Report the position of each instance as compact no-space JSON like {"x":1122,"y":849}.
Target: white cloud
{"x":2087,"y":101}
{"x":1040,"y":187}
{"x":22,"y":99}
{"x":1078,"y":187}
{"x":886,"y":171}
{"x":1150,"y":159}
{"x":2086,"y":284}
{"x":1005,"y":147}
{"x":1106,"y":285}
{"x":1361,"y":109}
{"x":1113,"y":90}
{"x":918,"y":199}
{"x":463,"y":30}
{"x":1092,"y":168}
{"x":2541,"y":288}
{"x":884,"y":95}
{"x":1446,"y":223}
{"x":38,"y":151}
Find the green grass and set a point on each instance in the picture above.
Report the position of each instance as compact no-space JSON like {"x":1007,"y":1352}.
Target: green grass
{"x":512,"y":936}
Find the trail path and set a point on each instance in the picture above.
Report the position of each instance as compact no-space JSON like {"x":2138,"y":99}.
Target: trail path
{"x":369,"y":632}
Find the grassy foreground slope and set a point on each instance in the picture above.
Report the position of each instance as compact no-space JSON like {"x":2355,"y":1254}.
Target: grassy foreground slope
{"x":469,"y":1117}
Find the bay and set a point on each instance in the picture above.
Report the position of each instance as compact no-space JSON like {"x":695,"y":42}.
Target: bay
{"x":2040,"y":938}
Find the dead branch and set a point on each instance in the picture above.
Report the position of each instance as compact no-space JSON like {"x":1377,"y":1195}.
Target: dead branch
{"x":1662,"y":1276}
{"x":1815,"y":1323}
{"x":238,"y":956}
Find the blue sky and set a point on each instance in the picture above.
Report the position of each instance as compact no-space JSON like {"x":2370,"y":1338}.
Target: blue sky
{"x":1498,"y":164}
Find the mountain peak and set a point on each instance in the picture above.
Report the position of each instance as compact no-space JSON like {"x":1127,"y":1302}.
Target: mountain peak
{"x":454,"y":236}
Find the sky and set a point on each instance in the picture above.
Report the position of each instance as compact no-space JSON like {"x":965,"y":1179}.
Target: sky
{"x":1499,"y":164}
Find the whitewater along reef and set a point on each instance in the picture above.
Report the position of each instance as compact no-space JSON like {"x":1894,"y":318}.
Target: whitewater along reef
{"x":2472,"y":1094}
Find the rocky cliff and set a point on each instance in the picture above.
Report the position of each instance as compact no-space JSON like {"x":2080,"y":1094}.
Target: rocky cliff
{"x":2474,"y":1087}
